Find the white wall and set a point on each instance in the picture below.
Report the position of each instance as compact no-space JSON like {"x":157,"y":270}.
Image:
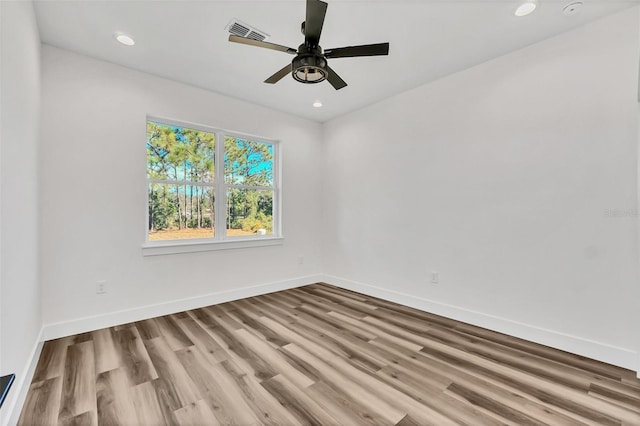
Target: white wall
{"x":499,"y":177}
{"x":20,"y":319}
{"x":94,"y":192}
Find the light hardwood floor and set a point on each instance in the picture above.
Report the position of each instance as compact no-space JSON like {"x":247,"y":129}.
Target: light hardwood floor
{"x":319,"y":355}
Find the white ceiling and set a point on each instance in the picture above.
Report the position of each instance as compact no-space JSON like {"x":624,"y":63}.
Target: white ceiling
{"x":187,"y":41}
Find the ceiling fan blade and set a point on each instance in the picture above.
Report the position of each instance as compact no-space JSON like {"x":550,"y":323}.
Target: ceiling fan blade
{"x":279,"y":75}
{"x":335,"y":79}
{"x":379,"y":49}
{"x":266,"y":45}
{"x":316,"y":10}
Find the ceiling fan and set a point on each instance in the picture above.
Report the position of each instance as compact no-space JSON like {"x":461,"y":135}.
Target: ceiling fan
{"x":310,"y":63}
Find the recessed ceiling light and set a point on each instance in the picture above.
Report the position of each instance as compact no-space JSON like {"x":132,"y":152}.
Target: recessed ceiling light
{"x":317,"y":104}
{"x":572,"y":8}
{"x":125,"y":39}
{"x":526,"y":7}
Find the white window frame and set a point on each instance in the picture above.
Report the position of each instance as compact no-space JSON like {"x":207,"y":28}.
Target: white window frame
{"x":220,"y":240}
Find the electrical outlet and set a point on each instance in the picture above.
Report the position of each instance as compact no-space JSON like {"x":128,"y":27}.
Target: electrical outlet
{"x":435,"y":277}
{"x":300,"y":260}
{"x":101,"y":287}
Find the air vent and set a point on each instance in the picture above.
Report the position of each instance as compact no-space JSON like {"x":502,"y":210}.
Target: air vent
{"x":241,"y":29}
{"x":256,"y":36}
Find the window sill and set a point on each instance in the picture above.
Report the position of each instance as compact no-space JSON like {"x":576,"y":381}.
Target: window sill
{"x":158,"y":248}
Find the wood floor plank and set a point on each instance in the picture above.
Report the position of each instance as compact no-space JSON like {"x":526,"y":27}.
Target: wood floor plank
{"x":531,"y":363}
{"x":271,"y":305}
{"x":78,"y":381}
{"x":422,"y":390}
{"x":547,"y":391}
{"x":106,"y":351}
{"x":622,"y":386}
{"x":478,"y":400}
{"x":624,"y":400}
{"x":408,"y":364}
{"x":84,"y":419}
{"x":404,"y":321}
{"x":284,"y":298}
{"x":222,"y":318}
{"x":80,"y":338}
{"x":114,"y":399}
{"x":201,"y":338}
{"x":319,"y":355}
{"x":43,"y":402}
{"x":302,"y":366}
{"x":577,"y":361}
{"x":269,"y":411}
{"x":340,"y":405}
{"x":384,"y":397}
{"x":134,"y":356}
{"x":544,"y":402}
{"x":305,"y":409}
{"x":341,"y":292}
{"x":148,"y":329}
{"x":399,"y":332}
{"x":223,"y":332}
{"x":173,"y":334}
{"x":442,"y":373}
{"x":349,"y":301}
{"x":203,"y":317}
{"x":166,"y":400}
{"x":378,"y":332}
{"x":274,"y":358}
{"x":245,"y":315}
{"x":324,"y":317}
{"x":630,"y":378}
{"x":311,"y":298}
{"x":391,"y":309}
{"x":173,"y":381}
{"x":382,"y":407}
{"x":334,"y":338}
{"x":337,"y":341}
{"x":437,"y":369}
{"x":148,"y":406}
{"x":407,"y":421}
{"x":224,"y":399}
{"x":51,"y":362}
{"x":197,"y":413}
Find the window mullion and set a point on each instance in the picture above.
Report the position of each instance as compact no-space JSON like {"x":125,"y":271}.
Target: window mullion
{"x":220,"y":193}
{"x":277,"y":200}
{"x":180,"y":182}
{"x":253,"y":187}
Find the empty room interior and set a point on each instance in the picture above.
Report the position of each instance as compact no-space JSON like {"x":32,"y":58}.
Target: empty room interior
{"x":302,"y":212}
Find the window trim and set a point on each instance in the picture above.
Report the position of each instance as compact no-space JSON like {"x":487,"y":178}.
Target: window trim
{"x":157,"y":248}
{"x":220,"y":240}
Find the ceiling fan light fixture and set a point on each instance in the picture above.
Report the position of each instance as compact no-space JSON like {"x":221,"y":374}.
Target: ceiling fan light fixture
{"x":526,"y":7}
{"x":309,"y":69}
{"x":309,"y":75}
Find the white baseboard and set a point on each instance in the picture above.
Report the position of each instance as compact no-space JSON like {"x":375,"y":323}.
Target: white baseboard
{"x":13,"y":406}
{"x":82,"y":325}
{"x":621,"y":357}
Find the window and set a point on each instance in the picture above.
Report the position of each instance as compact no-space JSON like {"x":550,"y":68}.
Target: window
{"x":207,"y":185}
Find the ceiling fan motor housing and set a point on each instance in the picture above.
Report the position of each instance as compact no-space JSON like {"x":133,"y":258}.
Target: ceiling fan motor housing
{"x":309,"y":66}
